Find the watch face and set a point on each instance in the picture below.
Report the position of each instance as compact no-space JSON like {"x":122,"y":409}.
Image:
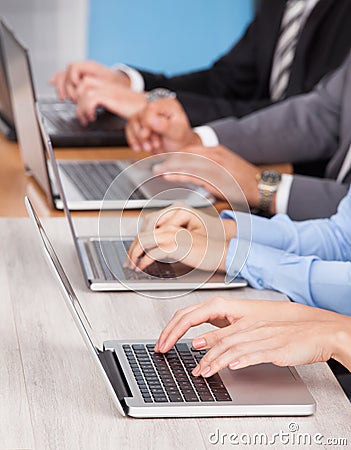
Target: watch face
{"x":271,"y":177}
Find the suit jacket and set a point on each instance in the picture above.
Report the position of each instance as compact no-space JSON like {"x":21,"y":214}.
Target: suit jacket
{"x":238,"y":83}
{"x":304,"y":128}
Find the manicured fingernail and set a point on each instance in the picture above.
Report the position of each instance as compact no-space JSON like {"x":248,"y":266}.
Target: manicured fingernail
{"x":206,"y":371}
{"x":233,"y":365}
{"x":199,"y":343}
{"x":196,"y":371}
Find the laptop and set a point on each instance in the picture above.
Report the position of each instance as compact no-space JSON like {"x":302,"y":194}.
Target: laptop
{"x":63,"y":125}
{"x":7,"y":122}
{"x":85,"y":182}
{"x":102,"y":257}
{"x":146,"y":384}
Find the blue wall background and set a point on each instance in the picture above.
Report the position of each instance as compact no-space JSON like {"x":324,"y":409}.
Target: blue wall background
{"x":163,"y":35}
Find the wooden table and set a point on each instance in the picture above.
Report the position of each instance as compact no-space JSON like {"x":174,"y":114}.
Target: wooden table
{"x":52,"y":396}
{"x":15,"y":184}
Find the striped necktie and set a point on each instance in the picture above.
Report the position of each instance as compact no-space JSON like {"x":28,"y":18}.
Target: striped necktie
{"x":345,"y":168}
{"x":285,"y":50}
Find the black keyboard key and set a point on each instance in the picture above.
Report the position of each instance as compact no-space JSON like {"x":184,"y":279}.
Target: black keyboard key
{"x":206,"y":397}
{"x":176,"y":398}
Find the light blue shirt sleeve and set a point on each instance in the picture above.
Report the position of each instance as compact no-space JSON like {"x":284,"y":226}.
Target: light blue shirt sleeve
{"x":305,"y":279}
{"x":329,"y":239}
{"x":308,"y":261}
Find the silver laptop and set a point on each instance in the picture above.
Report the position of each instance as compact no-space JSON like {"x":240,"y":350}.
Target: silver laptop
{"x":85,"y":182}
{"x":102,"y":259}
{"x":147,"y":384}
{"x":64,"y":127}
{"x":7,"y":122}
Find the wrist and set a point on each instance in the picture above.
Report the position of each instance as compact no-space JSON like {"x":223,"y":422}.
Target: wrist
{"x":222,"y":264}
{"x":229,"y":226}
{"x":340,"y":342}
{"x":194,"y":138}
{"x":268,"y":182}
{"x":122,"y":78}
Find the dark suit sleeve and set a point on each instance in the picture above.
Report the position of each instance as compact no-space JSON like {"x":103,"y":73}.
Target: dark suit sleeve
{"x":225,"y":89}
{"x":314,"y":198}
{"x":303,"y":128}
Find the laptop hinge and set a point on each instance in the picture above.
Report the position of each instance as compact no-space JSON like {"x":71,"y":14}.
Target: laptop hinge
{"x":115,"y":374}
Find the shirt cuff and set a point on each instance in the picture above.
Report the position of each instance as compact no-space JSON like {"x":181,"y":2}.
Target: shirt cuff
{"x":271,"y":268}
{"x":137,"y":83}
{"x":207,"y":135}
{"x":283,"y":193}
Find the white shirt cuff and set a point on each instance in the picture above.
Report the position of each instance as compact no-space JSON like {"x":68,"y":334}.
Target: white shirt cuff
{"x":283,"y":193}
{"x":136,"y":80}
{"x":207,"y":135}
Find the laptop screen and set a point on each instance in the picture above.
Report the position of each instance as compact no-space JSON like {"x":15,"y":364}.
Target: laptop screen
{"x":23,"y":101}
{"x":72,"y":301}
{"x":6,"y":113}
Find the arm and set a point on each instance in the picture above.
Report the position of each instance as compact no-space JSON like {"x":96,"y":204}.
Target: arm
{"x":305,"y":279}
{"x":328,"y":239}
{"x":228,"y":87}
{"x":233,"y":75}
{"x":311,"y":198}
{"x":253,"y":332}
{"x":304,"y":128}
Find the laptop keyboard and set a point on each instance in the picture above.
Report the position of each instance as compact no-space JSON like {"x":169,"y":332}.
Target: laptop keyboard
{"x":93,"y":180}
{"x":112,"y":255}
{"x":167,"y":378}
{"x":64,"y":118}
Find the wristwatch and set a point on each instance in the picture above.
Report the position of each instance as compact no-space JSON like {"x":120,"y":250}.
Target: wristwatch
{"x":158,"y":93}
{"x":268,"y":183}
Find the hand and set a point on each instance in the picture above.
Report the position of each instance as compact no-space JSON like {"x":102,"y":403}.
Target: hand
{"x":193,"y":220}
{"x":253,"y":332}
{"x":68,"y":81}
{"x":174,"y":243}
{"x":162,"y":126}
{"x":220,"y":171}
{"x":93,"y":92}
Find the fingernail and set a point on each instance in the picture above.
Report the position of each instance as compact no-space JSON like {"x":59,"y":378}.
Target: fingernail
{"x":233,"y":365}
{"x":199,"y":343}
{"x":136,"y":147}
{"x":206,"y":371}
{"x":161,"y":347}
{"x":196,"y":371}
{"x":147,"y":146}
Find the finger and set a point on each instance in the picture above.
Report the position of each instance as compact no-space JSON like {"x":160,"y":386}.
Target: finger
{"x":86,"y":84}
{"x":86,"y":109}
{"x":254,"y":357}
{"x":153,"y":120}
{"x":235,"y":354}
{"x":135,"y":252}
{"x":150,"y":257}
{"x":131,"y":139}
{"x":59,"y":81}
{"x":133,"y":132}
{"x":156,"y":142}
{"x":179,"y":325}
{"x":170,"y":326}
